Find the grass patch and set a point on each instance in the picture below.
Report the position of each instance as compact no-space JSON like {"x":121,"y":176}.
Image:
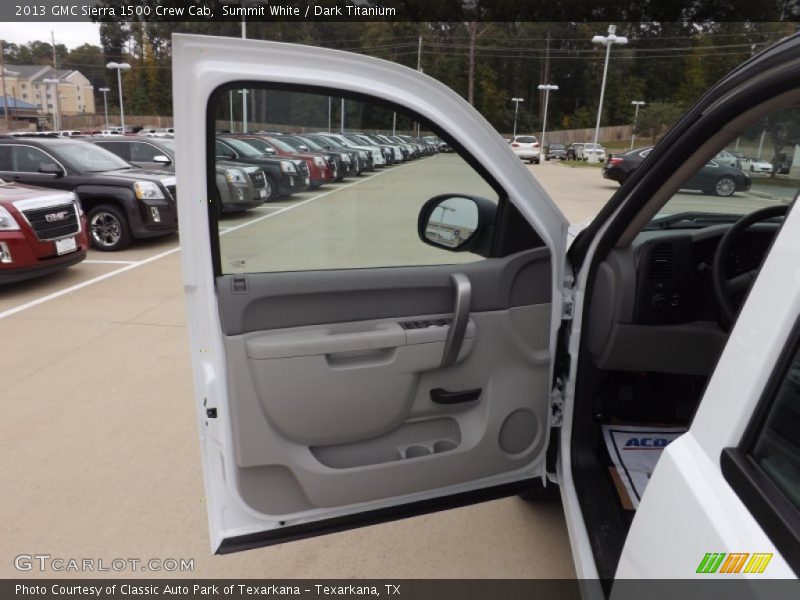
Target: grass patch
{"x":581,"y":164}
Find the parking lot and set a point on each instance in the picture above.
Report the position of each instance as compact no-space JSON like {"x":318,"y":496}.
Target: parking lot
{"x":99,"y":437}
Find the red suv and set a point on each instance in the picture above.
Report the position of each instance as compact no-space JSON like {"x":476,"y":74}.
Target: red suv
{"x":319,"y":169}
{"x":41,"y":231}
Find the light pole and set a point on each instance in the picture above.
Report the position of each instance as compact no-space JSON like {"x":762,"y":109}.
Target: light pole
{"x":637,"y":104}
{"x":546,"y":87}
{"x":120,"y":67}
{"x":105,"y":102}
{"x":56,"y":120}
{"x":244,"y":108}
{"x":607,"y":41}
{"x":516,"y":102}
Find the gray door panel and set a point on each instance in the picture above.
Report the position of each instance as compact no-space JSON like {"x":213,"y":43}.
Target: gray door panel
{"x":334,"y":402}
{"x":279,"y":300}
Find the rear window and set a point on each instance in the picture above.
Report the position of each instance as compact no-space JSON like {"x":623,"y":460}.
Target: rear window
{"x":525,"y":139}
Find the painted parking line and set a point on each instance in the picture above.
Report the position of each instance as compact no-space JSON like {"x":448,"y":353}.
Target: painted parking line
{"x":130,"y":265}
{"x":89,"y":261}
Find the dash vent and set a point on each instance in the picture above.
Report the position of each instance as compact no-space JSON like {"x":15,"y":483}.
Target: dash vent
{"x":661,"y":263}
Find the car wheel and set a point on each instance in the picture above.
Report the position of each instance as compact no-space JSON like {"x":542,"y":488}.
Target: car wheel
{"x":272,"y":189}
{"x":725,"y":186}
{"x":108,"y":228}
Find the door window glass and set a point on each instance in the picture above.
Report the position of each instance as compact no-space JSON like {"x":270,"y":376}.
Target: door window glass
{"x":341,"y":201}
{"x":27,"y":159}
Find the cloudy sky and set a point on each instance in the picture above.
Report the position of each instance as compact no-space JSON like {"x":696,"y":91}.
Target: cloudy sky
{"x":70,"y":34}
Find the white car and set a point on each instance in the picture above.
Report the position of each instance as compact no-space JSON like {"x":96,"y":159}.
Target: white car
{"x":591,"y":150}
{"x":757,"y":165}
{"x":362,"y":371}
{"x":526,"y":147}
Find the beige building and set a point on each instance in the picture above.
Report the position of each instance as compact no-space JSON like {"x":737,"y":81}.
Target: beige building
{"x":75,"y":92}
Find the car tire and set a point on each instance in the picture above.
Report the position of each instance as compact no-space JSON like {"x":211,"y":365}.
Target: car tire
{"x":724,"y":187}
{"x":540,"y":494}
{"x":271,"y":187}
{"x":108,"y":228}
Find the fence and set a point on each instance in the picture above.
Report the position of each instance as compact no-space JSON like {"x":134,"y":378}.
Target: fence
{"x":613,"y":133}
{"x":82,"y":122}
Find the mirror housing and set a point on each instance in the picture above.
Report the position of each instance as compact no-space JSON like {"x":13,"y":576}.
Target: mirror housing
{"x":51,"y":169}
{"x":162,"y":159}
{"x":303,"y":148}
{"x":458,"y":223}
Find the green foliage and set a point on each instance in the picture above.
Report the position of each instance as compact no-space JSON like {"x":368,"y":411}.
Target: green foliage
{"x":656,"y":118}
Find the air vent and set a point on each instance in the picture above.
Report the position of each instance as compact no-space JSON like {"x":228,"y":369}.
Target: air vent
{"x":661,"y":263}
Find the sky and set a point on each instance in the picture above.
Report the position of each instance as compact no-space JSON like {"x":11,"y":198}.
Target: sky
{"x":71,"y":34}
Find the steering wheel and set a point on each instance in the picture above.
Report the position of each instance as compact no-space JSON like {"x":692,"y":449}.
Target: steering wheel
{"x":727,"y":290}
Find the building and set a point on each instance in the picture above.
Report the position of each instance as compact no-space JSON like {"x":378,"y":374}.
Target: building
{"x":27,"y":83}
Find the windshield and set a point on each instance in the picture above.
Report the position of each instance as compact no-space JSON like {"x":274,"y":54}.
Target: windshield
{"x":304,"y":141}
{"x":88,"y":158}
{"x":167,"y":145}
{"x":280,"y":144}
{"x":243,"y":148}
{"x":260,"y":145}
{"x":525,"y":139}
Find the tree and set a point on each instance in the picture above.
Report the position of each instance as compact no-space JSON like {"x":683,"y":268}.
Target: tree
{"x":656,"y":118}
{"x":784,"y":131}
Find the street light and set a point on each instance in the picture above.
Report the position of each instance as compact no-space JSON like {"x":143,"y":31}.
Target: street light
{"x":516,"y":102}
{"x":244,"y":108}
{"x":105,"y":102}
{"x":56,"y":120}
{"x":120,"y":67}
{"x":637,"y":104}
{"x":546,"y":87}
{"x":607,"y":41}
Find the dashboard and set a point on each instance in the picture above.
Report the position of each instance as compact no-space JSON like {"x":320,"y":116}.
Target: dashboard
{"x":653,"y":306}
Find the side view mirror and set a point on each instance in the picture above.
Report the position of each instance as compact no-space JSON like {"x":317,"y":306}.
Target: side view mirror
{"x":51,"y":169}
{"x":303,"y":148}
{"x":162,"y":159}
{"x":458,"y":223}
{"x":270,"y":151}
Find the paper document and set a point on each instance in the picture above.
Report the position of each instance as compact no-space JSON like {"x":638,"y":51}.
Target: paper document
{"x":635,"y":452}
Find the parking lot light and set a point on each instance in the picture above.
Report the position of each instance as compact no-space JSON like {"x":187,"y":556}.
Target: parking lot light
{"x":636,"y":103}
{"x":48,"y":81}
{"x":546,"y":87}
{"x":120,"y":67}
{"x":105,"y":91}
{"x":607,"y":41}
{"x":516,"y":102}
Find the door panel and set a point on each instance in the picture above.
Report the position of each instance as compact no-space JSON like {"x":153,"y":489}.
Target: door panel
{"x":332,"y":377}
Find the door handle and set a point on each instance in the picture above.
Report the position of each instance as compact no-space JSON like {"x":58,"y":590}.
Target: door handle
{"x":458,"y":327}
{"x":442,"y":396}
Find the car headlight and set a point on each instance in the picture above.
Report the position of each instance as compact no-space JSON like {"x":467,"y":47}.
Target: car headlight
{"x":7,"y":221}
{"x":235,"y":176}
{"x":288,"y":167}
{"x":362,"y":155}
{"x":319,"y":161}
{"x":346,"y":158}
{"x":147,"y":190}
{"x":77,"y":204}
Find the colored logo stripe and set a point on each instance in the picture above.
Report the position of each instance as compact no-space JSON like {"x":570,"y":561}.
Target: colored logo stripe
{"x":720,"y":562}
{"x":758,"y":563}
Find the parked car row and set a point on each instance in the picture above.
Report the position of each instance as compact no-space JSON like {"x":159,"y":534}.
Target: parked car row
{"x":61,"y":193}
{"x":715,"y":177}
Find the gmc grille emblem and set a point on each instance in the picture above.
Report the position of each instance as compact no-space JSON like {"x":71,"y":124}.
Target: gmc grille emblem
{"x":55,"y":217}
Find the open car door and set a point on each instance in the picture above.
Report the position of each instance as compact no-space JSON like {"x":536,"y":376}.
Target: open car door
{"x":345,"y":371}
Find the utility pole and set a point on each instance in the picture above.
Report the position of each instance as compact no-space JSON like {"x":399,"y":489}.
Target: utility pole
{"x":342,"y":128}
{"x":545,"y":77}
{"x":419,"y":68}
{"x":56,"y":102}
{"x":3,"y":75}
{"x":637,"y":104}
{"x":472,"y":28}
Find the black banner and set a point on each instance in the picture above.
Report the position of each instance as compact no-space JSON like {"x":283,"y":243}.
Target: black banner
{"x":397,"y":10}
{"x":410,"y":589}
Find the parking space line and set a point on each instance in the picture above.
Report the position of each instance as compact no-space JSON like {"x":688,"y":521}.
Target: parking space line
{"x":130,"y":265}
{"x":83,"y":284}
{"x":90,"y":261}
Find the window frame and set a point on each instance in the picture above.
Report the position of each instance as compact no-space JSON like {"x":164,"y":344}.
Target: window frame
{"x":507,"y":217}
{"x":771,"y":509}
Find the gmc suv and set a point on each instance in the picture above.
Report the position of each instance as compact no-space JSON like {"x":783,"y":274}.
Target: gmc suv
{"x":41,"y":231}
{"x":121,"y":201}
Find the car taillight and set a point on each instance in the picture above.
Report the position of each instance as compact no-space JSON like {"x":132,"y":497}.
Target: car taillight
{"x":515,"y":145}
{"x":615,"y":161}
{"x":535,"y":144}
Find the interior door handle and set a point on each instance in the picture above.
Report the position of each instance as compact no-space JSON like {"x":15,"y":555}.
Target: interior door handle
{"x":458,"y":327}
{"x":442,"y":396}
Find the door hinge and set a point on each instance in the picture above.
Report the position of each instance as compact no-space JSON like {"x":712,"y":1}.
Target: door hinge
{"x":557,"y":404}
